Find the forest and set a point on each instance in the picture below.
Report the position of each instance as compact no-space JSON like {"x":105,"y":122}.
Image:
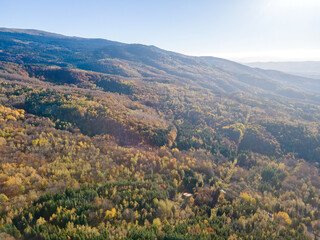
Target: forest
{"x":104,"y":140}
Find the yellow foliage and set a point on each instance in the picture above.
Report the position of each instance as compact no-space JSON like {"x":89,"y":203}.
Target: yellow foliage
{"x":156,"y":222}
{"x":247,"y":198}
{"x":10,"y":114}
{"x":111,"y":213}
{"x":40,"y":221}
{"x":40,"y":142}
{"x":10,"y":117}
{"x":175,"y":150}
{"x":283,"y":217}
{"x":3,"y":198}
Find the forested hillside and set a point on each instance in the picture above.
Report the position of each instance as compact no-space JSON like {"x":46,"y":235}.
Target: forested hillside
{"x":105,"y":140}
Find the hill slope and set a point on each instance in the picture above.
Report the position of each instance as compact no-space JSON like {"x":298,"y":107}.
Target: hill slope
{"x":101,"y":139}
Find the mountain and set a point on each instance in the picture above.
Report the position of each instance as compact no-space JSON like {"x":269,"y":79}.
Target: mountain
{"x":143,"y":62}
{"x":308,"y":69}
{"x":107,"y":140}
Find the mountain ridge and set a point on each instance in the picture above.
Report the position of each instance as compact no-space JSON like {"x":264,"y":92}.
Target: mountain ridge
{"x":217,"y":73}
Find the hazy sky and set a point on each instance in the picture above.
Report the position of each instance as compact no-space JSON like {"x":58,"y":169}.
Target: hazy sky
{"x":244,"y":30}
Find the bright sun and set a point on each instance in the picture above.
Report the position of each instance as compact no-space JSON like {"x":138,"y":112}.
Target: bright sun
{"x":294,"y":3}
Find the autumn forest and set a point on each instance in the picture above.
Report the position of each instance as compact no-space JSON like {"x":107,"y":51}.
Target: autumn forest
{"x":106,"y":140}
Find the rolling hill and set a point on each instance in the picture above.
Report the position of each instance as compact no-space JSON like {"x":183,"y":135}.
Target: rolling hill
{"x":106,"y":140}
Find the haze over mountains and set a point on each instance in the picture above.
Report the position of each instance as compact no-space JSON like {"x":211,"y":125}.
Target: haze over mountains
{"x":310,"y":69}
{"x":106,"y":140}
{"x":145,"y":62}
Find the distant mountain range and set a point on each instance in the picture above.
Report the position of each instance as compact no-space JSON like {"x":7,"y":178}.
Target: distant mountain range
{"x":310,"y":69}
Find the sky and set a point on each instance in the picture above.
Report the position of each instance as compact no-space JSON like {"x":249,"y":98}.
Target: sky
{"x":240,"y":30}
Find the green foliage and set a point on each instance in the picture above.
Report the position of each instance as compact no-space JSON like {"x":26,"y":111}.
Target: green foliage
{"x":296,"y":139}
{"x":273,"y":176}
{"x":159,"y":137}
